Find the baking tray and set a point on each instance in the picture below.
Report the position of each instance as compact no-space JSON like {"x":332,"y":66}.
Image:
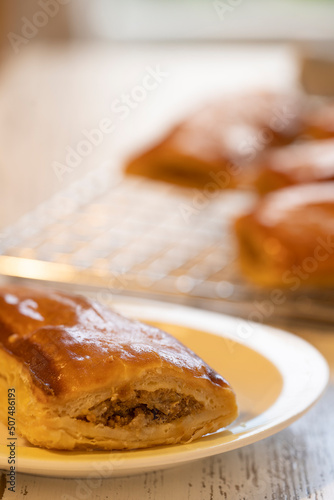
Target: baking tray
{"x":128,"y":235}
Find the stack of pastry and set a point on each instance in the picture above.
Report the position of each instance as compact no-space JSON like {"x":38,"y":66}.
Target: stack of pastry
{"x":269,"y":142}
{"x":287,"y":239}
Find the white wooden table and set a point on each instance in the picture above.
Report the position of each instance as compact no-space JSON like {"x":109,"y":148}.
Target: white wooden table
{"x":47,"y":97}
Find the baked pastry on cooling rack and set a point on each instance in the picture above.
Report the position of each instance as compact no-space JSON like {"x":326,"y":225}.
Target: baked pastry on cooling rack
{"x":319,"y":121}
{"x":287,"y":240}
{"x":300,"y":163}
{"x":216,"y":143}
{"x":88,"y":378}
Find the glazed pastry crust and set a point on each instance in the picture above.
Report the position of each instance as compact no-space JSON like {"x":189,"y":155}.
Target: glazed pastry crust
{"x":306,"y":162}
{"x":219,"y":141}
{"x":287,"y":240}
{"x":86,"y":377}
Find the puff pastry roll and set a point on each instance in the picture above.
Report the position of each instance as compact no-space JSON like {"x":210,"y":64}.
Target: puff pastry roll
{"x":287,"y":240}
{"x":217,"y":142}
{"x":88,"y":378}
{"x":300,"y":163}
{"x":319,"y":122}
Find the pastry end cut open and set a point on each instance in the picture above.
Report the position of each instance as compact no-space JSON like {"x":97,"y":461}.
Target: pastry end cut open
{"x":88,"y":378}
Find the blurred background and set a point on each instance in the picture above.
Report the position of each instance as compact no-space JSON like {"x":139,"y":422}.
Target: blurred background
{"x":178,"y":20}
{"x":74,"y":106}
{"x":64,"y":61}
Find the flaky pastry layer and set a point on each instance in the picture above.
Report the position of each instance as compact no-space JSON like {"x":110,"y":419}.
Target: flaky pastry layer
{"x":86,"y":377}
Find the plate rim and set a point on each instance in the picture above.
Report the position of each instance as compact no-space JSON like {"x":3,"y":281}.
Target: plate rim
{"x":163,"y":456}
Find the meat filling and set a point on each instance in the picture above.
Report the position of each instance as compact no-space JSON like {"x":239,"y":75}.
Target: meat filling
{"x":159,"y":407}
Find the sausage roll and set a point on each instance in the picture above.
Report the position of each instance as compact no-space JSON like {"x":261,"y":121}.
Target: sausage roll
{"x":319,"y":122}
{"x":300,"y":163}
{"x":217,"y":142}
{"x":287,"y":240}
{"x":88,"y":378}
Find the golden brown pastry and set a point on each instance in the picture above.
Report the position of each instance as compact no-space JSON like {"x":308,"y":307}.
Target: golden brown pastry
{"x":319,"y":122}
{"x":216,"y":143}
{"x":86,"y":377}
{"x":300,"y":163}
{"x":287,"y":240}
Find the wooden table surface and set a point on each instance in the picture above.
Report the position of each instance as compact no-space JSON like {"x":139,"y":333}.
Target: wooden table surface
{"x":47,"y":97}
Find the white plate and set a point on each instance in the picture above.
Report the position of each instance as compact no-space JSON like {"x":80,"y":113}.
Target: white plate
{"x":277,"y":377}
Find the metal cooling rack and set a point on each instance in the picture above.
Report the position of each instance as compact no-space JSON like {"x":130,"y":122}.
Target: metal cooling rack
{"x":137,"y":237}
